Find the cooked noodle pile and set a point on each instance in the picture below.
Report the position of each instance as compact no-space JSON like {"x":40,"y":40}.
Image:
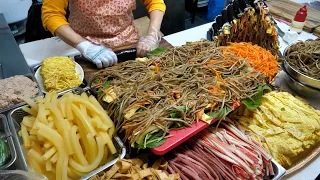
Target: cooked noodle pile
{"x":305,"y":57}
{"x":175,"y":88}
{"x":58,"y":73}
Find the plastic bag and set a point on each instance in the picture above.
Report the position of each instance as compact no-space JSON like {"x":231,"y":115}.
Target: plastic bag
{"x":20,"y":175}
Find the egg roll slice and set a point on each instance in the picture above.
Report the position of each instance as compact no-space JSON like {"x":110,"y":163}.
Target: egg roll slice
{"x":268,"y":114}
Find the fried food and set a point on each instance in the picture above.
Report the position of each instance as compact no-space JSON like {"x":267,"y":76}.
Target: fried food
{"x":136,"y":169}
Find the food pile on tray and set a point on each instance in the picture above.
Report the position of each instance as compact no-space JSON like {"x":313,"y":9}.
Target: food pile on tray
{"x":175,"y":89}
{"x":14,"y":89}
{"x":286,"y":126}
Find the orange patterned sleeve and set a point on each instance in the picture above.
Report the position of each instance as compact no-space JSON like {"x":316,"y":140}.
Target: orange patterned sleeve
{"x":152,"y":5}
{"x":54,"y":14}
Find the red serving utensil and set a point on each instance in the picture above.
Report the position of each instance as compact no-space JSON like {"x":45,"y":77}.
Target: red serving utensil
{"x":178,"y":136}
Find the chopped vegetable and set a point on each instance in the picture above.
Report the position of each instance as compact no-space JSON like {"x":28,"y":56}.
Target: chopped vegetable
{"x":259,"y":58}
{"x":255,"y":101}
{"x":4,"y":152}
{"x":156,"y":51}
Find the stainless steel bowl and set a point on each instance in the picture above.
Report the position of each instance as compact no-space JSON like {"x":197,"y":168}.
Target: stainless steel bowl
{"x":304,"y":79}
{"x":300,"y":88}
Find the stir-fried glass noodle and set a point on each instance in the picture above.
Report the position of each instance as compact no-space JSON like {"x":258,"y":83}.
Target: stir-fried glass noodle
{"x":174,"y":89}
{"x":305,"y":57}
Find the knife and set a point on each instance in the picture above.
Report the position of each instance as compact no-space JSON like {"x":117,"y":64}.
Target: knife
{"x":126,"y":54}
{"x":122,"y":55}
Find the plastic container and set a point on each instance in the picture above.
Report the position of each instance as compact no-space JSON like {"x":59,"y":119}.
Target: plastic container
{"x":214,"y":9}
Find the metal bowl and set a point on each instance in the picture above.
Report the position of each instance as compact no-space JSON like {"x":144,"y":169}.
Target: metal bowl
{"x":298,"y":76}
{"x":300,"y":88}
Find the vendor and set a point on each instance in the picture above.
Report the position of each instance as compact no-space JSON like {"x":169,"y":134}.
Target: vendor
{"x":96,"y":27}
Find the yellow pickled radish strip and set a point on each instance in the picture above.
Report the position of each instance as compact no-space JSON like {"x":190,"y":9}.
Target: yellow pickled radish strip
{"x":95,"y":163}
{"x":86,"y":124}
{"x":76,"y":145}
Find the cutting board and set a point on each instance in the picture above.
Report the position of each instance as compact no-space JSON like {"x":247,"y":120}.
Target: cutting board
{"x":286,"y":10}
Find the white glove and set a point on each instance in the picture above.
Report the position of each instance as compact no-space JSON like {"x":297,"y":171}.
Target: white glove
{"x":148,"y":43}
{"x":99,"y":55}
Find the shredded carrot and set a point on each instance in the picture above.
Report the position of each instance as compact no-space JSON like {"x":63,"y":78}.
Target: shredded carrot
{"x":212,"y":61}
{"x":236,"y":104}
{"x":212,"y":107}
{"x":259,"y":58}
{"x":156,"y":67}
{"x":219,"y":78}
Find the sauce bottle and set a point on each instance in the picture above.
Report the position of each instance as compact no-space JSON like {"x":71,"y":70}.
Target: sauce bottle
{"x":299,"y":20}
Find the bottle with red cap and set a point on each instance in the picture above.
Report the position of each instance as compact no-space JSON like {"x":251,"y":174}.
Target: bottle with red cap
{"x":299,"y":20}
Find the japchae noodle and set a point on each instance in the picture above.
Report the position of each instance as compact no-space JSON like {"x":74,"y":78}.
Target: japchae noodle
{"x":174,"y":89}
{"x":305,"y":57}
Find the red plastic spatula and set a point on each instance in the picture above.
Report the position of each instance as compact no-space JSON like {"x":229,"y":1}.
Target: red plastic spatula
{"x":177,"y":137}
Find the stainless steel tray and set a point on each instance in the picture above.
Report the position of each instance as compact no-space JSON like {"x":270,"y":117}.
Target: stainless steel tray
{"x":5,"y":134}
{"x":15,"y":118}
{"x":279,"y":171}
{"x":23,"y":103}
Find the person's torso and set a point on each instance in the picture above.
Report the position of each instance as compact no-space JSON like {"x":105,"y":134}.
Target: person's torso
{"x":107,"y":22}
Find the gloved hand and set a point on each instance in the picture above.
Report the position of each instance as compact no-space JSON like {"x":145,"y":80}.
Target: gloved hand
{"x":99,"y":55}
{"x":148,"y":43}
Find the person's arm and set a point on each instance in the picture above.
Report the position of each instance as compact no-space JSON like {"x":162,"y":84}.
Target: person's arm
{"x":156,"y":9}
{"x":54,"y":20}
{"x":156,"y":17}
{"x":69,"y":36}
{"x":54,"y":14}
